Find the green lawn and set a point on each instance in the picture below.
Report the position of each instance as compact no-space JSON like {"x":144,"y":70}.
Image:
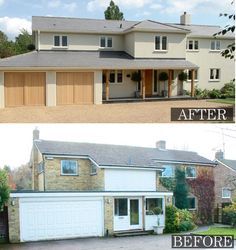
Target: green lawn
{"x":219,"y":231}
{"x":225,"y":101}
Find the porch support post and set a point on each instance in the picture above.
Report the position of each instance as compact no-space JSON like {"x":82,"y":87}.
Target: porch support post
{"x":169,"y":83}
{"x":192,"y":83}
{"x":107,"y":85}
{"x":143,"y":85}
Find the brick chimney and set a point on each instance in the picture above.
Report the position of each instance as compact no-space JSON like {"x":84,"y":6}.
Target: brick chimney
{"x":219,"y":155}
{"x":161,"y":145}
{"x":35,"y":160}
{"x":36,"y":134}
{"x":185,"y":19}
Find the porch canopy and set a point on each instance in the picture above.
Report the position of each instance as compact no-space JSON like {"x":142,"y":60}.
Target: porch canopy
{"x":95,"y":60}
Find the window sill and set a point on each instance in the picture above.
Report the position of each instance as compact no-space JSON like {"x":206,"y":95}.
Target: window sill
{"x":92,"y":174}
{"x":105,"y":48}
{"x":69,"y":175}
{"x":214,"y":51}
{"x":60,"y":47}
{"x":191,"y":177}
{"x":191,"y":80}
{"x":160,"y":51}
{"x":192,"y":50}
{"x":216,"y":80}
{"x":226,"y":197}
{"x":192,"y":209}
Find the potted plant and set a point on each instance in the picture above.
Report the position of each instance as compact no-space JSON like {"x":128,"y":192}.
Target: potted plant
{"x":136,"y":77}
{"x":183,"y":76}
{"x":163,"y":76}
{"x":158,"y":229}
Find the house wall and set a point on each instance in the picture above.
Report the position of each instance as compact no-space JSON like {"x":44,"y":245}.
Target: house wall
{"x":80,"y":41}
{"x":83,"y":181}
{"x":41,"y":181}
{"x":145,"y":45}
{"x":108,"y":215}
{"x":2,"y":101}
{"x":206,"y":60}
{"x":14,"y":220}
{"x":129,"y":43}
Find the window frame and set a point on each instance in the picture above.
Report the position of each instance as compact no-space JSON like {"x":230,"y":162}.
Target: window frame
{"x":215,"y":79}
{"x":106,"y":42}
{"x":193,"y":45}
{"x":195,"y":202}
{"x":190,"y":177}
{"x":222,"y":192}
{"x":65,"y":174}
{"x":215,"y":45}
{"x":92,"y":165}
{"x":173,"y":172}
{"x":147,"y":211}
{"x":116,"y":208}
{"x":161,"y":43}
{"x":196,"y":74}
{"x":116,"y":72}
{"x":60,"y":41}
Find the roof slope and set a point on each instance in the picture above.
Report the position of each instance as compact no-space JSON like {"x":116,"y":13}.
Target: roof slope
{"x":91,"y":60}
{"x":229,"y":163}
{"x":106,"y":155}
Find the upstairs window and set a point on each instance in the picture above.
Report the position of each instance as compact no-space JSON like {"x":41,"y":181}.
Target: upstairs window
{"x":191,"y":203}
{"x":106,"y":42}
{"x":214,"y":74}
{"x":190,"y":172}
{"x":161,"y":43}
{"x":193,"y":45}
{"x":215,"y":45}
{"x":69,"y":167}
{"x":93,"y":169}
{"x":226,"y":193}
{"x":60,"y":41}
{"x":168,"y":172}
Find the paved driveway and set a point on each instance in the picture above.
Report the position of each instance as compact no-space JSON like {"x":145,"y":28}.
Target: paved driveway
{"x":144,"y":112}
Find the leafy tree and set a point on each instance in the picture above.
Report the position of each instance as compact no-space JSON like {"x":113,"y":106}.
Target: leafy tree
{"x":23,"y":42}
{"x":181,"y":189}
{"x":113,"y":12}
{"x":229,"y":51}
{"x":22,"y":177}
{"x":4,"y":188}
{"x":6,"y":47}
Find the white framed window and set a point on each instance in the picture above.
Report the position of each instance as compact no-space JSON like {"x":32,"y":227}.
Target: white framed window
{"x":190,"y":172}
{"x":193,"y":45}
{"x":152,"y":204}
{"x":189,"y":74}
{"x":161,"y":43}
{"x":116,"y":77}
{"x":60,"y":41}
{"x":121,"y":207}
{"x":168,"y":172}
{"x":226,"y":193}
{"x":214,"y":74}
{"x":93,"y":169}
{"x":106,"y":42}
{"x":192,"y":203}
{"x":215,"y":45}
{"x":69,"y":167}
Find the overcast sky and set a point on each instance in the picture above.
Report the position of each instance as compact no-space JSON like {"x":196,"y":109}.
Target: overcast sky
{"x":16,"y":140}
{"x":16,"y":14}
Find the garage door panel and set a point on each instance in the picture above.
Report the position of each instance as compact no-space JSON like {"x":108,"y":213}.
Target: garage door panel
{"x":14,"y":89}
{"x":65,"y":88}
{"x":55,"y":219}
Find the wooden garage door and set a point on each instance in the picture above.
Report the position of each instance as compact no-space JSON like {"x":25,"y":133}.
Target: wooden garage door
{"x":24,"y":88}
{"x":75,"y":88}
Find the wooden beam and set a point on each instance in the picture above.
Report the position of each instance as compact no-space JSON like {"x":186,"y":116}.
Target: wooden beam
{"x":107,"y":85}
{"x":192,"y":83}
{"x":143,"y":85}
{"x":169,"y":83}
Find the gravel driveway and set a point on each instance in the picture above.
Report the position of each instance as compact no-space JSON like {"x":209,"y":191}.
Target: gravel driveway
{"x":144,"y":112}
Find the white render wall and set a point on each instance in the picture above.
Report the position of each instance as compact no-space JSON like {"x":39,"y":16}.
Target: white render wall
{"x":98,"y":87}
{"x":51,"y":89}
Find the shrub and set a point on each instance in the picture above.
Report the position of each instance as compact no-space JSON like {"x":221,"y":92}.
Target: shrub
{"x":4,"y":188}
{"x":230,"y":213}
{"x":163,"y":76}
{"x":228,"y":90}
{"x":185,"y":220}
{"x":168,"y":182}
{"x":183,"y":76}
{"x":214,"y":93}
{"x":171,"y":225}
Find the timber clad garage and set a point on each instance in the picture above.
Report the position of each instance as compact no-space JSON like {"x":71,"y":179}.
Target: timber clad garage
{"x":25,"y":89}
{"x":60,"y":218}
{"x":75,"y":88}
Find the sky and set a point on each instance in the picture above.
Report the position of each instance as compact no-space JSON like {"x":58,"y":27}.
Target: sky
{"x":16,"y":140}
{"x":16,"y":14}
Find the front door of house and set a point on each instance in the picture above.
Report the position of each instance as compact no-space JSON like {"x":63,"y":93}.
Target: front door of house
{"x":127,"y":214}
{"x":148,"y":82}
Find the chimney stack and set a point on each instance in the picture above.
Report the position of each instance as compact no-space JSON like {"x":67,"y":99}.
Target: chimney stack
{"x":219,"y":155}
{"x":161,"y":145}
{"x":36,"y":134}
{"x":185,"y":19}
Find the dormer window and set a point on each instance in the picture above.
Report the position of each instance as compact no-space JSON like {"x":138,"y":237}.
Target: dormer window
{"x":106,"y":42}
{"x":60,"y":41}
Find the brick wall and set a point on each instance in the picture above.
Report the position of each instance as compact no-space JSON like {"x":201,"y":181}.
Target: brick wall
{"x":13,"y":220}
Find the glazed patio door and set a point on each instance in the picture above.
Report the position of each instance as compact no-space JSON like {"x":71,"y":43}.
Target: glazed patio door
{"x":135,"y":210}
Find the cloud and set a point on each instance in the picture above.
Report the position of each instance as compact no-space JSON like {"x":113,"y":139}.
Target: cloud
{"x":54,"y":4}
{"x":71,"y":7}
{"x":58,"y":4}
{"x":156,"y":6}
{"x":94,"y":4}
{"x":13,"y":25}
{"x":1,"y":2}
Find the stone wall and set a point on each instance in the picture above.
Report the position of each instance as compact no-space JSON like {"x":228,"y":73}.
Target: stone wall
{"x":13,"y":220}
{"x":108,"y":214}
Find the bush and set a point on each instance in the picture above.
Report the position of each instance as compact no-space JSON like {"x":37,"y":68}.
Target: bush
{"x":228,"y":90}
{"x":230,"y":213}
{"x":163,"y":76}
{"x":214,"y":93}
{"x":178,"y":220}
{"x":183,"y":76}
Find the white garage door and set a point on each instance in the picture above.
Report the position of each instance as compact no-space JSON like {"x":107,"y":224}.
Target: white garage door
{"x":60,"y":218}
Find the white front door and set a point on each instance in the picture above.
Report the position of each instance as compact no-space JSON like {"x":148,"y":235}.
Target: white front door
{"x":127,"y":214}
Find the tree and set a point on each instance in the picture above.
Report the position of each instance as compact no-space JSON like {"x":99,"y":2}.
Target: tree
{"x":6,"y":47}
{"x":113,"y":12}
{"x":23,"y":42}
{"x":181,"y":189}
{"x":22,"y":177}
{"x":229,"y":51}
{"x":4,"y":188}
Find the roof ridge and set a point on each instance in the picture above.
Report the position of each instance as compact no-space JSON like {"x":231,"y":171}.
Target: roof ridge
{"x":166,"y":24}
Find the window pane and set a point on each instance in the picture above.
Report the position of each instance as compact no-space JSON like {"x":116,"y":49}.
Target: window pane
{"x":190,"y":45}
{"x":64,"y":41}
{"x":226,"y":193}
{"x":103,"y":42}
{"x":164,"y":43}
{"x":211,"y":74}
{"x":157,"y":43}
{"x":217,"y":76}
{"x":191,"y":203}
{"x":190,"y":172}
{"x":109,"y":42}
{"x":218,"y":45}
{"x":69,"y":167}
{"x":112,"y":77}
{"x":121,"y":207}
{"x":119,"y":76}
{"x":93,"y":168}
{"x":56,"y":40}
{"x":168,"y":172}
{"x":212,"y":45}
{"x":196,"y":45}
{"x":153,"y":203}
{"x":189,"y":74}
